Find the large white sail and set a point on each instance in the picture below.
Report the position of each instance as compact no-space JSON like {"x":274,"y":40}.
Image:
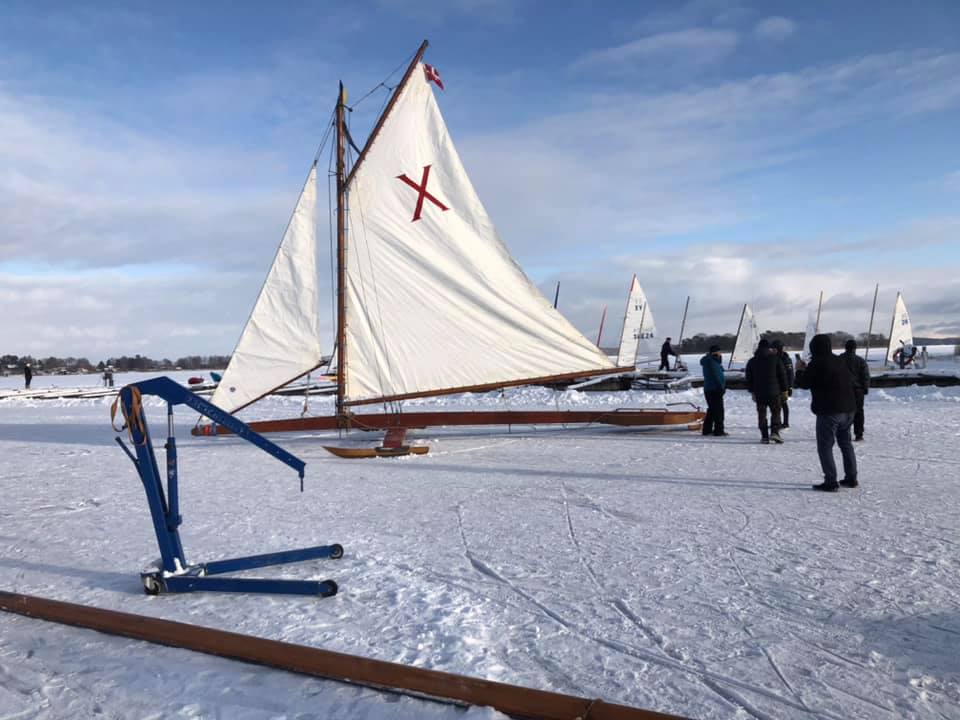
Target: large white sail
{"x":901,"y":333}
{"x":281,"y":339}
{"x":434,"y":301}
{"x":748,"y":337}
{"x":638,"y":339}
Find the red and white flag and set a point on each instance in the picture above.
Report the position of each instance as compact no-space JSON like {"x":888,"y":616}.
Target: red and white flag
{"x":433,"y":75}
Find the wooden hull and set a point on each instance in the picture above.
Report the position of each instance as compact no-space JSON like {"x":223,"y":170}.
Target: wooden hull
{"x":415,"y":420}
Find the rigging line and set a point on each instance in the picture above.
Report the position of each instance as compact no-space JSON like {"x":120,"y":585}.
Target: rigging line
{"x":323,"y":140}
{"x":331,"y":176}
{"x":383,"y":83}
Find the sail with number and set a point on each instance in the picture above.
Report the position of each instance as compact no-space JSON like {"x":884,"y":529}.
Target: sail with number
{"x":901,"y":332}
{"x":281,"y":339}
{"x":748,"y":336}
{"x":638,"y":339}
{"x":434,"y":300}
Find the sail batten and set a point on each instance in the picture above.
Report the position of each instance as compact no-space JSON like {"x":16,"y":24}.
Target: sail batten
{"x":434,"y":300}
{"x":280,"y":341}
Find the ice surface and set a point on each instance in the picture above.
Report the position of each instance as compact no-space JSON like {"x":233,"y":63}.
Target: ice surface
{"x":660,"y":569}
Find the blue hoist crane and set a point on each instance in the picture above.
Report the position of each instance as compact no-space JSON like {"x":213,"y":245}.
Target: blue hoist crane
{"x":173,"y":573}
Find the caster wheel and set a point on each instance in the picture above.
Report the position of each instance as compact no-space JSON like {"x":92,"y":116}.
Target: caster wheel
{"x":336,"y":551}
{"x":150,"y":585}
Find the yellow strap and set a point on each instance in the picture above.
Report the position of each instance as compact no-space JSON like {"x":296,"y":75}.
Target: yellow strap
{"x":132,"y":419}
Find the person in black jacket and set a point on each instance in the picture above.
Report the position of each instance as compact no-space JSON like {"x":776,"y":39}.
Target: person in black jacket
{"x":861,"y":383}
{"x":666,"y":350}
{"x":27,"y":375}
{"x":834,"y":404}
{"x":777,"y":345}
{"x":766,"y":380}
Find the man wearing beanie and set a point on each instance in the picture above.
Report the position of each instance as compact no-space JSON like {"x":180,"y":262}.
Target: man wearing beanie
{"x":861,"y":383}
{"x":714,"y":386}
{"x":767,"y":381}
{"x":833,"y":402}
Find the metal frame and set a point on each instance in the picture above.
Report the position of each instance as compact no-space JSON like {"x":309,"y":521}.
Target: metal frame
{"x":174,"y":573}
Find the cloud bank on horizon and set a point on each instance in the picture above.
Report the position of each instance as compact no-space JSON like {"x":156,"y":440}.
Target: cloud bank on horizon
{"x":733,"y":152}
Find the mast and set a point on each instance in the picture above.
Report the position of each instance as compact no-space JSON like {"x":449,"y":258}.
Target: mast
{"x":893,"y":320}
{"x":866,"y":353}
{"x":343,"y":181}
{"x":603,"y":317}
{"x":643,"y":317}
{"x":556,"y":296}
{"x":737,"y":336}
{"x":683,"y":323}
{"x":341,"y":254}
{"x":819,"y":307}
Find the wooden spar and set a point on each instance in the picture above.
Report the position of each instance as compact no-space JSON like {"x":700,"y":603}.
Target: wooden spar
{"x":387,"y":110}
{"x":683,"y":323}
{"x":556,"y":296}
{"x":737,"y":336}
{"x":893,"y":320}
{"x":511,"y":700}
{"x":486,"y":387}
{"x":816,"y":328}
{"x":873,"y":310}
{"x":473,"y":418}
{"x":341,"y":254}
{"x":603,"y":318}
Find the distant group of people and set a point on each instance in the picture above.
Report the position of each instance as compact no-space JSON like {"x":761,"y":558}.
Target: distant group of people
{"x":837,"y":384}
{"x":907,"y":355}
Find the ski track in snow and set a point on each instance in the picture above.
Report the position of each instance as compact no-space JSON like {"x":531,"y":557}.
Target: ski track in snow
{"x":659,"y":569}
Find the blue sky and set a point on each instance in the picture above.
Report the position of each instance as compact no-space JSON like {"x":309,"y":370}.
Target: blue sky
{"x":150,"y":155}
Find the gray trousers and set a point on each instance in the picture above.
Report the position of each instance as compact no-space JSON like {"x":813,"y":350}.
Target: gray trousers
{"x":832,"y":428}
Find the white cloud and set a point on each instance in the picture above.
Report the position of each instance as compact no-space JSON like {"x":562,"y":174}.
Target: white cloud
{"x":775,"y":28}
{"x":694,"y":46}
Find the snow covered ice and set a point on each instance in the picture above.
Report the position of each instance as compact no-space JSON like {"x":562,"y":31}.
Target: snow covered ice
{"x":696,"y":576}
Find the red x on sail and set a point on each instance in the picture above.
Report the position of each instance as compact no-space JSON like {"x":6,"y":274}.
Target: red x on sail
{"x":422,"y":193}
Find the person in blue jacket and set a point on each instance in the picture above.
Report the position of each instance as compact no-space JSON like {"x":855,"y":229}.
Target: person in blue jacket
{"x":714,"y":386}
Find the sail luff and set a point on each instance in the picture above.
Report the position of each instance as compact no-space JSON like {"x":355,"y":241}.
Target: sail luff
{"x":893,"y":320}
{"x":280,"y":340}
{"x":736,"y":338}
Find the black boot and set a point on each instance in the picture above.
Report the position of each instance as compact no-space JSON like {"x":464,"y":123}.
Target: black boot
{"x":827,"y":486}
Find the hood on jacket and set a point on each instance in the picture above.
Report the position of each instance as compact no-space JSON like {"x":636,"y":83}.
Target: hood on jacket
{"x":820,"y":345}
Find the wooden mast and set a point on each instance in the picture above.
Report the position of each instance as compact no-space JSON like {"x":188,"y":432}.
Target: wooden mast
{"x":603,"y":319}
{"x":683,"y":322}
{"x":816,"y":327}
{"x":341,"y":255}
{"x":893,"y":321}
{"x":873,"y":311}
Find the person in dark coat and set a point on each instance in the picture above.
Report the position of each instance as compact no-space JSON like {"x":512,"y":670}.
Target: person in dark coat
{"x":666,"y":350}
{"x":27,"y":375}
{"x":777,"y":346}
{"x":767,"y":381}
{"x":861,"y":383}
{"x":714,"y":387}
{"x":833,"y":402}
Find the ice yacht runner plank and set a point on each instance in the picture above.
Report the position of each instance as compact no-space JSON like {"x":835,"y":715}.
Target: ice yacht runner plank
{"x":415,"y":420}
{"x":513,"y":700}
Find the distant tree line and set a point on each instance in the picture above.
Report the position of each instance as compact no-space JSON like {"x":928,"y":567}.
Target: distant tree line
{"x":52,"y":364}
{"x":701,"y":342}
